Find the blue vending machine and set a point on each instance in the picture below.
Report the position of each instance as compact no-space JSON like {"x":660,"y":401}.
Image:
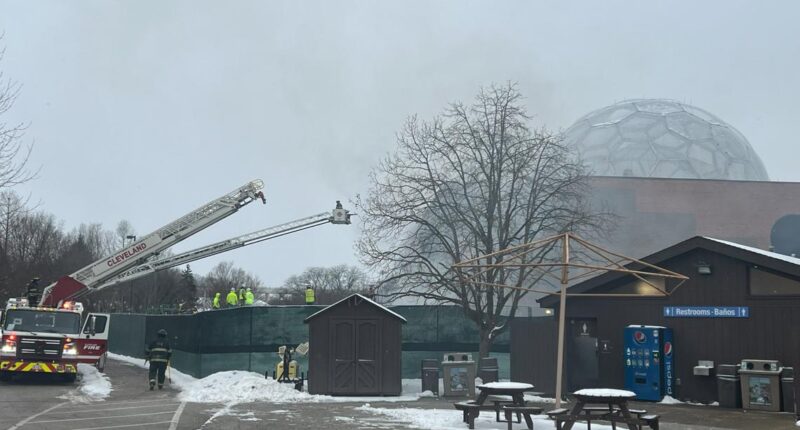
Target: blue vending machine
{"x":649,"y":364}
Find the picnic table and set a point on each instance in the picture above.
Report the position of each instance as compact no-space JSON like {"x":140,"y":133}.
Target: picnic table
{"x":614,"y":408}
{"x":506,"y":397}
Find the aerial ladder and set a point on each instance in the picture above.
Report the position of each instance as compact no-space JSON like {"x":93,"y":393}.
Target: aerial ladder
{"x":47,"y":336}
{"x":99,"y":272}
{"x":338,"y":215}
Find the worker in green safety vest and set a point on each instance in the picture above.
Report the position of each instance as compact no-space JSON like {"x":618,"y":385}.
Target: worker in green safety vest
{"x":232,"y":298}
{"x":215,"y":303}
{"x":309,"y":296}
{"x":249,"y":297}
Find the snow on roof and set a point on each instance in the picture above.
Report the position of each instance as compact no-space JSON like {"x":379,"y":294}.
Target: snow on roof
{"x":362,"y":298}
{"x":770,"y":254}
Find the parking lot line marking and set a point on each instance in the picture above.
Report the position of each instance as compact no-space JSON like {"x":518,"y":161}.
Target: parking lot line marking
{"x":101,"y":418}
{"x":127,"y":407}
{"x":26,"y":420}
{"x":177,"y":417}
{"x":123,"y":426}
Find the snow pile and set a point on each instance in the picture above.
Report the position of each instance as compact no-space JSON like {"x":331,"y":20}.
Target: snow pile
{"x":450,"y":419}
{"x":669,"y":400}
{"x":797,"y":424}
{"x":93,"y":386}
{"x":236,"y":386}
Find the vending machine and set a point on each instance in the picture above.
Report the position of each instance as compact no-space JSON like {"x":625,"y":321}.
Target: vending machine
{"x":649,"y":364}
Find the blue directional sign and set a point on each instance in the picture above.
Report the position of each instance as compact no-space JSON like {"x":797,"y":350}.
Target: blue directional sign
{"x":707,"y":311}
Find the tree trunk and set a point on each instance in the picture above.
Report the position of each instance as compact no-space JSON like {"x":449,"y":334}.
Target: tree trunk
{"x":485,"y":342}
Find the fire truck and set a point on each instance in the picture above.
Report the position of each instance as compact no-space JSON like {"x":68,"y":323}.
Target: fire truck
{"x":52,"y":337}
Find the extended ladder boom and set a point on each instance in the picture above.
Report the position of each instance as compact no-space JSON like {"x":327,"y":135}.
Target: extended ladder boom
{"x":95,"y":274}
{"x":337,"y":216}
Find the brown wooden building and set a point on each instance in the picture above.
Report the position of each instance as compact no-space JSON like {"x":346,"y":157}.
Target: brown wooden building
{"x":765,"y":285}
{"x":355,"y":349}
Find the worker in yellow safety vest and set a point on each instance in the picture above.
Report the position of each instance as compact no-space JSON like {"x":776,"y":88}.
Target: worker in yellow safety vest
{"x":309,"y":296}
{"x":232,"y":299}
{"x":215,"y":303}
{"x":249,"y":297}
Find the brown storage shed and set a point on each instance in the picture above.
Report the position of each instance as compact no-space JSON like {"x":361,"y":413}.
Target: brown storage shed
{"x":355,"y":349}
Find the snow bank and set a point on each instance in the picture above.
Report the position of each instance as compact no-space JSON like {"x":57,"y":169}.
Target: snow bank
{"x":237,"y":386}
{"x":450,"y":419}
{"x":92,"y":386}
{"x":669,"y":400}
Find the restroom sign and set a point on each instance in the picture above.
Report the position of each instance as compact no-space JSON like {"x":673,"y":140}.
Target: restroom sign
{"x":707,"y":311}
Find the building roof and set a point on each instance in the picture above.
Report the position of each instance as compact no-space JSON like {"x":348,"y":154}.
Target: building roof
{"x":364,"y":299}
{"x":771,"y":260}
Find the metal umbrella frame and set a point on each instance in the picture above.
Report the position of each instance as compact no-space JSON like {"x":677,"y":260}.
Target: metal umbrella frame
{"x":578,"y":259}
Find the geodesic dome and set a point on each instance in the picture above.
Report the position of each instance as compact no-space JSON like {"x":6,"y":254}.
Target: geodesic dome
{"x":663,"y":139}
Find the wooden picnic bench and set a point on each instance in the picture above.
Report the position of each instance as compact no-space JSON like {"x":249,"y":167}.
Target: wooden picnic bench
{"x":615,"y":410}
{"x":497,"y":397}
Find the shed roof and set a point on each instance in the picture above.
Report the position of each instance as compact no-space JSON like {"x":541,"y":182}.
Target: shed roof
{"x":771,"y":260}
{"x":359,"y":297}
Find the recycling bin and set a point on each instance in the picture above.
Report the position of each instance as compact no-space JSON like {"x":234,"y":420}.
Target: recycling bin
{"x":729,"y":386}
{"x":430,"y":376}
{"x":761,"y":385}
{"x":458,"y":374}
{"x":488,"y":370}
{"x":787,"y":389}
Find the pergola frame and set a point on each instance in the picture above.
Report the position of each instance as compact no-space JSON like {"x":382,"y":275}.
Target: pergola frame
{"x":513,"y":257}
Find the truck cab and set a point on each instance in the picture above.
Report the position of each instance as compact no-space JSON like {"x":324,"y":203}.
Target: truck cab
{"x":38,"y":339}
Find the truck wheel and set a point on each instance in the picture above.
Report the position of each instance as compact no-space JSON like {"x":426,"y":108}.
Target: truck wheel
{"x":101,"y":363}
{"x":69,"y":377}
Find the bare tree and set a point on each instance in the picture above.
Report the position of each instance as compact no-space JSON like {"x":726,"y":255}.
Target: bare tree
{"x":225,"y":276}
{"x":472,"y":181}
{"x":125,"y":233}
{"x":330,"y":284}
{"x":14,"y":155}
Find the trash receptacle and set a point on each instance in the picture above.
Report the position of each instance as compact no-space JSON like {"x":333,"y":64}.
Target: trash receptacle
{"x":761,"y":385}
{"x":458,"y":374}
{"x":729,"y":386}
{"x":787,"y":389}
{"x":430,"y":375}
{"x":488,"y":370}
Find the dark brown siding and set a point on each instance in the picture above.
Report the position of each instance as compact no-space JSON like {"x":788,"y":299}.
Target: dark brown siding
{"x":381,"y":376}
{"x":771,"y":331}
{"x":533,"y":352}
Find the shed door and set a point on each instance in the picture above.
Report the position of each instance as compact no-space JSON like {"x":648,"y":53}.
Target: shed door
{"x":343,"y":346}
{"x":367,"y":364}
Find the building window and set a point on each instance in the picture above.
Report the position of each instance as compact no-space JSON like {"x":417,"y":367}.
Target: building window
{"x":764,"y":283}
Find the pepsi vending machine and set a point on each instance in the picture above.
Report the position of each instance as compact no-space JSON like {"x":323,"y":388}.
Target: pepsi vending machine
{"x":649,"y":367}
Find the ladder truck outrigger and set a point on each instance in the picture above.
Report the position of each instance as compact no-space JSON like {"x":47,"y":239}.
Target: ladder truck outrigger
{"x":48,"y":335}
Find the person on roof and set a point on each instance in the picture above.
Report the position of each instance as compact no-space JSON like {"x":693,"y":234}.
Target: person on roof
{"x":215,"y":303}
{"x":232,"y":299}
{"x":249,"y":297}
{"x":158,"y":354}
{"x":33,"y":292}
{"x":241,"y":295}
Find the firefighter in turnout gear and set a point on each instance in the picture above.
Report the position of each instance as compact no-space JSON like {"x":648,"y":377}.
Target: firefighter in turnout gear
{"x":232,"y":298}
{"x":158,"y":353}
{"x":215,"y":303}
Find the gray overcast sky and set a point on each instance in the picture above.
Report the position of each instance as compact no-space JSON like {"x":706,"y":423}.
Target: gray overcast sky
{"x":144,"y":110}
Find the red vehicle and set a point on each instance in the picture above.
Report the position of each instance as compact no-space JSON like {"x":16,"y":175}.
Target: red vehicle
{"x":51,"y":340}
{"x":52,"y":337}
